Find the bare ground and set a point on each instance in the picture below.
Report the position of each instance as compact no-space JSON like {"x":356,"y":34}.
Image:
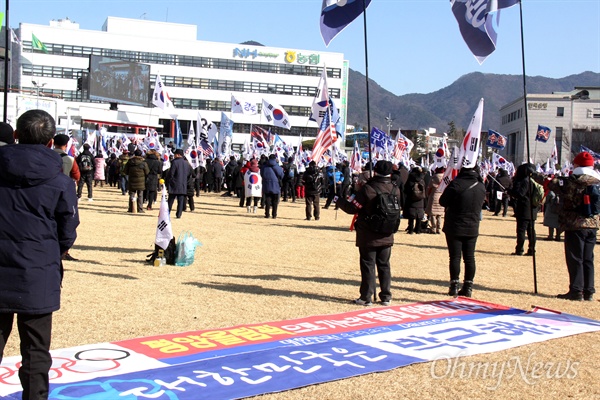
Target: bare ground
{"x":251,"y":269}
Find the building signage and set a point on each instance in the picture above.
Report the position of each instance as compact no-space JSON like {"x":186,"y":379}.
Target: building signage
{"x":537,"y":106}
{"x":295,"y":57}
{"x":247,"y":53}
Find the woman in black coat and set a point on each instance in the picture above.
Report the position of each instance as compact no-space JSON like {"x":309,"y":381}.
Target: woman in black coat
{"x":414,"y":202}
{"x":463,"y":200}
{"x":154,"y":162}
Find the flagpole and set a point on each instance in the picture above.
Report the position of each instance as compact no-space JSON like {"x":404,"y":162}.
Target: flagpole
{"x":7,"y":46}
{"x":535,"y":286}
{"x":367,"y":87}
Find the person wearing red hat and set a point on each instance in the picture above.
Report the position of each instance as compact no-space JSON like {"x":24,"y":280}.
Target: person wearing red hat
{"x":580,"y":225}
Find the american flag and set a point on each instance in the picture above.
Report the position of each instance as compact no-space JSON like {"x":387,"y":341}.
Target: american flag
{"x":325,"y":138}
{"x":206,"y":148}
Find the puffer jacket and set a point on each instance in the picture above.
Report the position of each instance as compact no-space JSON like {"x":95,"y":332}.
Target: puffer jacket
{"x":137,"y":170}
{"x":463,"y":199}
{"x":570,"y":192}
{"x":363,"y":204}
{"x":38,"y":221}
{"x":272,"y":174}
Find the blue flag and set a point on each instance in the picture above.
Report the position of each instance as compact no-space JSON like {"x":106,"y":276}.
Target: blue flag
{"x":178,"y":135}
{"x":336,"y":15}
{"x":592,"y":152}
{"x":543,"y":133}
{"x":495,"y":140}
{"x":475,"y":24}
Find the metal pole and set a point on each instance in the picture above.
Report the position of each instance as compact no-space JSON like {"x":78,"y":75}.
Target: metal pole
{"x":7,"y":46}
{"x":367,"y":88}
{"x":532,"y":227}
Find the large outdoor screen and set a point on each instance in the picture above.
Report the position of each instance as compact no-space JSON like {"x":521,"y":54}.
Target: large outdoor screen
{"x":117,"y":81}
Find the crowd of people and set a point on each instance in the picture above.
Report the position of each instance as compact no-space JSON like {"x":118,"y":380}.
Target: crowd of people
{"x":41,"y":188}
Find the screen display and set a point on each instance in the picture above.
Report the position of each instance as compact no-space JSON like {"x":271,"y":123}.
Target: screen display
{"x":117,"y":81}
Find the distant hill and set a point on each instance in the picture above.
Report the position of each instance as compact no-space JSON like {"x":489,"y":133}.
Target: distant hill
{"x":456,"y":102}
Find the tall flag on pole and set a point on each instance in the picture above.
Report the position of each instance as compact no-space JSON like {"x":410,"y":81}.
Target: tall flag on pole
{"x":452,"y":169}
{"x":495,"y":140}
{"x":164,"y":230}
{"x":37,"y":44}
{"x":543,"y":133}
{"x":355,"y":163}
{"x":469,"y":150}
{"x":336,"y":15}
{"x":554,"y":156}
{"x":241,"y":106}
{"x":476,"y":26}
{"x":325,"y":138}
{"x":178,"y":135}
{"x":402,"y":147}
{"x":275,"y":115}
{"x":321,"y":102}
{"x":191,"y":140}
{"x":206,"y":148}
{"x":161,"y":99}
{"x":14,"y":38}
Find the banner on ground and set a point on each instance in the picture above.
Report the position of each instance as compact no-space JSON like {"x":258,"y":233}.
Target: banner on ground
{"x":254,"y":359}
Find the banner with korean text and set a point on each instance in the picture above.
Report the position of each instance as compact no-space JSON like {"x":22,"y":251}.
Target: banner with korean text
{"x":254,"y":359}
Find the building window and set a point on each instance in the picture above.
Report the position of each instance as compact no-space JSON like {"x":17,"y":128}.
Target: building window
{"x":560,"y":111}
{"x":596,"y":113}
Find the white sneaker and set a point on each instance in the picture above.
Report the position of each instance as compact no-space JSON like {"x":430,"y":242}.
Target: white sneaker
{"x":90,"y":199}
{"x":254,"y":210}
{"x":248,"y":209}
{"x":362,"y":302}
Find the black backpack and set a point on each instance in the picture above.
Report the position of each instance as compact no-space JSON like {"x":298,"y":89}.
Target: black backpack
{"x":169,"y":253}
{"x":418,"y":190}
{"x":386,"y":216}
{"x":87,"y":164}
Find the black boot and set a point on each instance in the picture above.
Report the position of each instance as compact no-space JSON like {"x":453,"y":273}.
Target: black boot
{"x":453,"y":291}
{"x":467,"y":289}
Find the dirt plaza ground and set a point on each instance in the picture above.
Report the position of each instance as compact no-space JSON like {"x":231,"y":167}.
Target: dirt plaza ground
{"x":250,"y":270}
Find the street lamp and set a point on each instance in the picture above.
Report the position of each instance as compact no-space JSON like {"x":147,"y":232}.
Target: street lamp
{"x":389,"y":123}
{"x":38,"y":86}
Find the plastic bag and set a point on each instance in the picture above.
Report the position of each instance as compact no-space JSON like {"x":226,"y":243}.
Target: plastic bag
{"x":186,"y":248}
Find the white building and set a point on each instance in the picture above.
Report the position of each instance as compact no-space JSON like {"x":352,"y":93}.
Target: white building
{"x":199,"y":76}
{"x":573,"y":117}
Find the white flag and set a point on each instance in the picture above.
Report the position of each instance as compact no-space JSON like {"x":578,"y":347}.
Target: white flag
{"x":161,"y":98}
{"x":191,"y":140}
{"x":276,"y":115}
{"x":191,"y":154}
{"x":469,"y":150}
{"x":241,"y":106}
{"x":321,"y":101}
{"x":164,"y":231}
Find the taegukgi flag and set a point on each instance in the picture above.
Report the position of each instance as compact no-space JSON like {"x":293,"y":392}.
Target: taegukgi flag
{"x":469,"y":150}
{"x":161,"y":99}
{"x":164,"y":230}
{"x":276,"y":115}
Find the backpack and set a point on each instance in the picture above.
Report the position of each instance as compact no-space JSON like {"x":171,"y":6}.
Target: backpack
{"x":386,"y":216}
{"x":418,"y":191}
{"x":537,"y":193}
{"x":169,"y":253}
{"x":590,"y":204}
{"x":87,"y":164}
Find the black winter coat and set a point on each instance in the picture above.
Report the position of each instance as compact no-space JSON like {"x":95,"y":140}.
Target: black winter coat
{"x":154,"y":172}
{"x":463,"y":199}
{"x":364,"y":205}
{"x":177,"y":178}
{"x":38,"y":221}
{"x":137,"y":170}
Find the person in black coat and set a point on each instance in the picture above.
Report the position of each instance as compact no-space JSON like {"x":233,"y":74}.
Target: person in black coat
{"x":40,"y":217}
{"x":375,"y":248}
{"x":463,"y":199}
{"x":155,"y":166}
{"x":414,"y":190}
{"x":502,"y":184}
{"x":525,"y":213}
{"x":177,"y":181}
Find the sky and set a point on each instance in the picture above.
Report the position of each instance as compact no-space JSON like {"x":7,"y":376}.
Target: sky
{"x":413,"y":46}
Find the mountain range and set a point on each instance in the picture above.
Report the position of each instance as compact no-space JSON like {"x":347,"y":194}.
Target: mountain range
{"x":456,"y":102}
